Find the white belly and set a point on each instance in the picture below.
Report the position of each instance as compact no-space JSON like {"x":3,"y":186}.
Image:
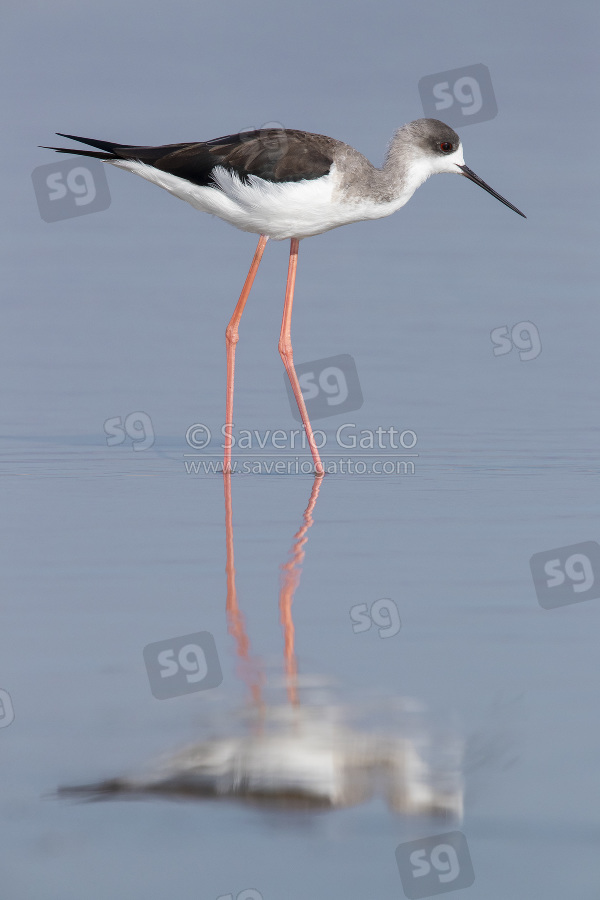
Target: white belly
{"x":280,"y":211}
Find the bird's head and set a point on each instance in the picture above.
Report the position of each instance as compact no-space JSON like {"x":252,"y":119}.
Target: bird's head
{"x":436,"y":148}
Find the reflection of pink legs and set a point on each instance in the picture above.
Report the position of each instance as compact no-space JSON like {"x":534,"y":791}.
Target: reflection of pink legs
{"x":231,"y":339}
{"x":290,"y":578}
{"x":287,"y":355}
{"x":235,"y":619}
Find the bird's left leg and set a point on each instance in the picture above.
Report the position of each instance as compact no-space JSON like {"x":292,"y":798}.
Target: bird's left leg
{"x":231,"y":339}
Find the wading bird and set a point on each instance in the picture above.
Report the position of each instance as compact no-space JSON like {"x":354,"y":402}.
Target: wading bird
{"x":288,"y":185}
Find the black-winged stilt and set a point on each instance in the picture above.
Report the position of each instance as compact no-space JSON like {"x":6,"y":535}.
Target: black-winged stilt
{"x":284,"y":184}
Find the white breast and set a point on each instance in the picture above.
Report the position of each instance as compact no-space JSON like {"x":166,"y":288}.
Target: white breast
{"x":280,"y":211}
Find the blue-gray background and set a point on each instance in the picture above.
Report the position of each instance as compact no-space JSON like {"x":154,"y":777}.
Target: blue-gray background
{"x":125,"y":310}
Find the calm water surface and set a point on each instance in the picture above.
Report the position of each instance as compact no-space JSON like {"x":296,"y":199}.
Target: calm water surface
{"x":107,"y":549}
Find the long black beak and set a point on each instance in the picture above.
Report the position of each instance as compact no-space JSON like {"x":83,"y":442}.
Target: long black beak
{"x":468,"y":173}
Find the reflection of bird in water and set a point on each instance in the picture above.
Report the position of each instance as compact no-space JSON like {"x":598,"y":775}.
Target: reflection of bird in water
{"x":302,"y":758}
{"x":293,"y":755}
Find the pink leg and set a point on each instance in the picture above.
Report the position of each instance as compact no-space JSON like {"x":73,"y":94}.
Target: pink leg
{"x":231,"y":339}
{"x":249,"y":669}
{"x":290,"y":580}
{"x":287,"y":354}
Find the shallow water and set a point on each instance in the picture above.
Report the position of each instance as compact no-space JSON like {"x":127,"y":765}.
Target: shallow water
{"x":108,"y":549}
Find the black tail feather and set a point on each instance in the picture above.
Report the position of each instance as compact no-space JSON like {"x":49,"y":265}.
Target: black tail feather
{"x":76,"y":152}
{"x":107,"y":146}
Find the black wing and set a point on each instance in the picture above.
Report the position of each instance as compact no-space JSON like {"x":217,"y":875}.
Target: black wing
{"x":275,"y":154}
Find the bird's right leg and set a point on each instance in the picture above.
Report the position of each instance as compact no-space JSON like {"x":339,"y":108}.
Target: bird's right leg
{"x":231,"y":339}
{"x":287,"y":353}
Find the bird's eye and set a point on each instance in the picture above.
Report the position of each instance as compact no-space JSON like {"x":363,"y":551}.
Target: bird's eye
{"x":446,"y":147}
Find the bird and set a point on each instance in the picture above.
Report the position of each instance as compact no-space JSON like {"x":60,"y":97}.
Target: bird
{"x":284,"y":184}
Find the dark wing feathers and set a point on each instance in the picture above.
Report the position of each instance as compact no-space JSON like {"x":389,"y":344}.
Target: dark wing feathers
{"x":274,"y":154}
